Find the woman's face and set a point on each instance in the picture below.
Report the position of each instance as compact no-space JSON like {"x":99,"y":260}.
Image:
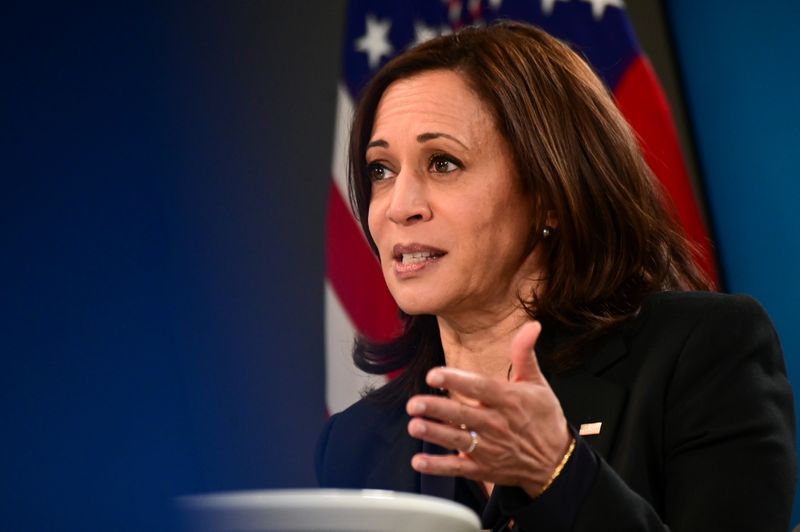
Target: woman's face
{"x":447,"y":213}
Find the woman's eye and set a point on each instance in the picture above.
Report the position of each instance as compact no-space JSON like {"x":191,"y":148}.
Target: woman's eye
{"x":444,"y":165}
{"x":378,"y":172}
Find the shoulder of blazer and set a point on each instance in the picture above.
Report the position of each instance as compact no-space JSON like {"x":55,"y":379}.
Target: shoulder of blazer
{"x":672,"y":323}
{"x":673,"y":316}
{"x":691,"y":307}
{"x":353,"y":440}
{"x":370,"y":419}
{"x":674,"y":326}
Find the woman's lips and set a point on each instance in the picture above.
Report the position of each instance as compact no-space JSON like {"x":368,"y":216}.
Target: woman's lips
{"x":412,"y":258}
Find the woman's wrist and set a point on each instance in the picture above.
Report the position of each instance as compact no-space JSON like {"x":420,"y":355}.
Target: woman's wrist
{"x":558,"y":507}
{"x":538,"y":492}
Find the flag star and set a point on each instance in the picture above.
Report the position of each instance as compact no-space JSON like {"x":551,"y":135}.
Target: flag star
{"x":375,"y":43}
{"x":548,"y":5}
{"x":599,"y":6}
{"x":423,"y":33}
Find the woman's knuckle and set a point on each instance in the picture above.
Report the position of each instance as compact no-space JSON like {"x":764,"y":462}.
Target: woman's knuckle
{"x":502,"y":425}
{"x":463,"y":413}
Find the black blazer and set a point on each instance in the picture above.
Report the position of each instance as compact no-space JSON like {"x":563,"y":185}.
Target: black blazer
{"x":697,"y":424}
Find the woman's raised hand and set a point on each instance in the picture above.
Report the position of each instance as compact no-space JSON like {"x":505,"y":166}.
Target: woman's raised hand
{"x":518,"y":424}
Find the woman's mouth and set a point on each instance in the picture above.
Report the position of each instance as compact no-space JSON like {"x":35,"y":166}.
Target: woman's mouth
{"x":410,"y":259}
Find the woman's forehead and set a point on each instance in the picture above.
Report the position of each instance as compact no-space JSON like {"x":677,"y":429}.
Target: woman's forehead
{"x":435,"y":99}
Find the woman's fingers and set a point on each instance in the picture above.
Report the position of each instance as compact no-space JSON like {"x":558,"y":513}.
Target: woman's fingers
{"x":447,"y":411}
{"x":524,"y":366}
{"x":447,"y":436}
{"x":447,"y":465}
{"x":483,"y":389}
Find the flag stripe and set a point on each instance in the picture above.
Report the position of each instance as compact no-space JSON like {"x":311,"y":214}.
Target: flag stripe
{"x":642,"y":101}
{"x":343,"y":382}
{"x":355,"y":274}
{"x":341,"y":137}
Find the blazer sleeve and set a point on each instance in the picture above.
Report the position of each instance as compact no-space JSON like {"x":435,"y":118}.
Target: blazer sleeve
{"x":728,"y":450}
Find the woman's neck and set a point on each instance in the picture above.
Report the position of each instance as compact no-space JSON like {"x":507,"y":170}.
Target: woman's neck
{"x":481,"y":345}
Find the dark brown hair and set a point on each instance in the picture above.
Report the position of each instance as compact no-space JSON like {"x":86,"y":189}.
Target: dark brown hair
{"x":617,"y":239}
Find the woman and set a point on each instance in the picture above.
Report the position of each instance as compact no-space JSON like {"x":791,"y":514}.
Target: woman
{"x":510,"y":208}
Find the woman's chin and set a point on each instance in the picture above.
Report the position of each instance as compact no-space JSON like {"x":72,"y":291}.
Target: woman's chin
{"x":416,"y":309}
{"x":424,"y":295}
{"x":414,"y":304}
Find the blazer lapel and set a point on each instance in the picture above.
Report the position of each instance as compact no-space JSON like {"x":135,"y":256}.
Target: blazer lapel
{"x":438,"y":486}
{"x":393,"y":469}
{"x":587,"y":397}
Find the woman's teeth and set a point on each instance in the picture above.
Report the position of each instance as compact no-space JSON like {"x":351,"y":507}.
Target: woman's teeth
{"x":411,"y":258}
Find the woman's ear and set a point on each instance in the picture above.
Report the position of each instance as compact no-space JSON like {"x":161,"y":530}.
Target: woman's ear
{"x":551,"y":220}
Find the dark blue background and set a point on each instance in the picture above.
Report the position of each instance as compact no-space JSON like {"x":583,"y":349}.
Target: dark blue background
{"x":165,"y":172}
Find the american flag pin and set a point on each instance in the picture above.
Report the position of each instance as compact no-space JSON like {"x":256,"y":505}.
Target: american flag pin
{"x":590,"y":429}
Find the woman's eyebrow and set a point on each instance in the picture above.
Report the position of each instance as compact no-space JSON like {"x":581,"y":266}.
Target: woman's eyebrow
{"x":379,"y":143}
{"x":424,"y":137}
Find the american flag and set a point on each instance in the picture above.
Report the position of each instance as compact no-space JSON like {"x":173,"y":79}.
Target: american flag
{"x":356,"y":298}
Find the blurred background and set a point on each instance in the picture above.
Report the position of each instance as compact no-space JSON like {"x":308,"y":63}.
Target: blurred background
{"x":165,"y":174}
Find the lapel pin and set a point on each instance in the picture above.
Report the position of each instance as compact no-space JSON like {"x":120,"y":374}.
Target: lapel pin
{"x":590,"y":429}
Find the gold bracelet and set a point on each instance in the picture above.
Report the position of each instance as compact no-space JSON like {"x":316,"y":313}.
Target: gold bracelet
{"x":559,"y":468}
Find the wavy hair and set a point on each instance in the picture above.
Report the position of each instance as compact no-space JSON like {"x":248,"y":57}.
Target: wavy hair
{"x":617,"y":239}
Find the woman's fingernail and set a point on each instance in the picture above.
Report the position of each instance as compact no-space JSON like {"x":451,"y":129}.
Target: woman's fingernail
{"x":419,"y":463}
{"x":416,"y":408}
{"x":435,"y":378}
{"x":417,"y":428}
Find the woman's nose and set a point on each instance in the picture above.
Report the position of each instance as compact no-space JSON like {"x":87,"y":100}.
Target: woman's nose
{"x":409,"y":202}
